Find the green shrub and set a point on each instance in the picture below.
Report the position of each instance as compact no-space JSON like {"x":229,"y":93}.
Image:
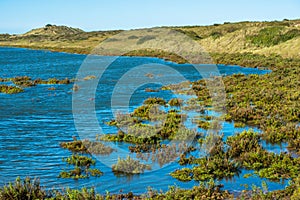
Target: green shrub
{"x":26,"y":189}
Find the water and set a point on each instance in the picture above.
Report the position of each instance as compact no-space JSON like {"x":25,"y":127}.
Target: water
{"x":33,"y":123}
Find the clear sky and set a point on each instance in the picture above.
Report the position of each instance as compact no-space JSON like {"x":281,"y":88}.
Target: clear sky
{"x":19,"y":16}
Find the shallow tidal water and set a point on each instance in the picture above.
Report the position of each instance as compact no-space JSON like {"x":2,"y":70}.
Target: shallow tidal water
{"x":33,"y":123}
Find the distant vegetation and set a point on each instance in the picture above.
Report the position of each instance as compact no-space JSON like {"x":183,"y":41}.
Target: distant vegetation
{"x":21,"y":82}
{"x":271,"y":36}
{"x":264,"y":38}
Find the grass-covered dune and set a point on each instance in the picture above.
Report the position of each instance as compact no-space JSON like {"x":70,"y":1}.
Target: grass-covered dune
{"x":264,"y":38}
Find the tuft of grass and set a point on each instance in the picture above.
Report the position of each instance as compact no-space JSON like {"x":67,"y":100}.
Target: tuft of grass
{"x":129,"y":166}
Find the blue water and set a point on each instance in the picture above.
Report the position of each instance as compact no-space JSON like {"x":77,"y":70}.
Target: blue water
{"x":33,"y":123}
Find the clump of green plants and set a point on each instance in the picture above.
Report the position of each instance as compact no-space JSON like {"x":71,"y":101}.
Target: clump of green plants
{"x":185,"y":134}
{"x":79,"y":160}
{"x":10,"y":89}
{"x":129,"y":138}
{"x":175,"y":102}
{"x":129,"y":166}
{"x":25,"y":81}
{"x":208,"y":190}
{"x":155,"y":100}
{"x":82,"y":168}
{"x":122,"y":120}
{"x":142,"y":112}
{"x":194,"y":104}
{"x":86,"y":146}
{"x":52,"y":81}
{"x":171,"y":124}
{"x":23,"y":189}
{"x":164,"y":154}
{"x":247,"y":141}
{"x":215,"y":167}
{"x":184,"y":174}
{"x":143,"y":148}
{"x":271,"y":36}
{"x":203,"y":124}
{"x":245,"y":149}
{"x":239,"y":125}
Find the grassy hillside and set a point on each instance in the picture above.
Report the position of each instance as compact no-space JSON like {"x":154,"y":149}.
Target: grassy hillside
{"x":266,"y":38}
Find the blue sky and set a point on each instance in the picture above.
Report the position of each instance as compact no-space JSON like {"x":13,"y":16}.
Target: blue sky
{"x":18,"y":16}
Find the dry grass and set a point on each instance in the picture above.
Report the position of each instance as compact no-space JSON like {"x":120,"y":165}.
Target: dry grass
{"x":222,"y":38}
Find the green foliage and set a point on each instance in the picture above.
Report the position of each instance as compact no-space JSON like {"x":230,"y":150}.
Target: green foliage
{"x":129,"y":166}
{"x":184,"y":174}
{"x":203,"y":124}
{"x":26,"y":189}
{"x":209,"y":191}
{"x":130,"y":139}
{"x":74,"y":146}
{"x":79,"y":160}
{"x":81,"y":169}
{"x":244,"y":142}
{"x":271,"y":36}
{"x":25,"y":81}
{"x":175,"y":102}
{"x":10,"y":89}
{"x":259,"y":100}
{"x":142,"y":111}
{"x":216,"y":166}
{"x":155,"y":100}
{"x":171,"y":124}
{"x":86,"y":146}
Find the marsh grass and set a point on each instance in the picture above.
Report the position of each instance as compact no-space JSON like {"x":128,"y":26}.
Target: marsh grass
{"x":21,"y":82}
{"x":129,"y":166}
{"x":86,"y":146}
{"x":81,"y":169}
{"x":10,"y":89}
